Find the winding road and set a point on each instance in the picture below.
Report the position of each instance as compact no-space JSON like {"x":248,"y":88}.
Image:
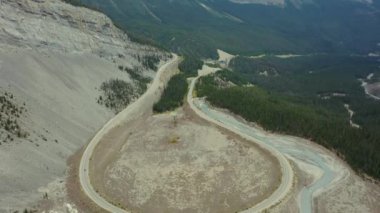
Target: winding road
{"x":137,"y":109}
{"x":287,"y":172}
{"x":323,"y":167}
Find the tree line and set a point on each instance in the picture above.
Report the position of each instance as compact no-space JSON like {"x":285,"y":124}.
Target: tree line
{"x":279,"y":113}
{"x":175,"y":91}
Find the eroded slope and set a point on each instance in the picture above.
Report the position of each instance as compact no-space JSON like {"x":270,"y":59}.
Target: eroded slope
{"x":53,"y":60}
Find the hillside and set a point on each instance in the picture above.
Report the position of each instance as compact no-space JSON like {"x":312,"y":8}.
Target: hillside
{"x":54,"y":62}
{"x":317,"y":97}
{"x":199,"y":27}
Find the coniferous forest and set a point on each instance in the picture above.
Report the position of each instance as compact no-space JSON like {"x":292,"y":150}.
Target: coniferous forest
{"x":283,"y":96}
{"x":174,"y":93}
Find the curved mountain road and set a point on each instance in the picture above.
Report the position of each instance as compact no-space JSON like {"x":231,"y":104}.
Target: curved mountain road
{"x":145,"y":102}
{"x":137,"y":108}
{"x":286,"y":169}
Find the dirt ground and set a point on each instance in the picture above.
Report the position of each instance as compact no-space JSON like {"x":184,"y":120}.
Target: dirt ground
{"x":177,"y":162}
{"x":352,"y":194}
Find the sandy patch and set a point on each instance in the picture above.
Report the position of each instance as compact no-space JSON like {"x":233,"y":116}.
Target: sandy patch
{"x":258,"y":56}
{"x":352,"y":194}
{"x":351,"y":113}
{"x":374,"y":90}
{"x":224,"y":58}
{"x":285,"y":56}
{"x":206,"y":70}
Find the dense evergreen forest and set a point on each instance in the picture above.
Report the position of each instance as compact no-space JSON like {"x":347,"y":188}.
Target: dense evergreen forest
{"x":316,"y":81}
{"x":324,"y":26}
{"x":298,"y":109}
{"x":307,"y":75}
{"x":190,"y":66}
{"x":174,"y":93}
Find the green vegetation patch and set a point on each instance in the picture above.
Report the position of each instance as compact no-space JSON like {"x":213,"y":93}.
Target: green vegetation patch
{"x":190,"y":66}
{"x":176,"y":89}
{"x":117,"y":94}
{"x":173,"y":94}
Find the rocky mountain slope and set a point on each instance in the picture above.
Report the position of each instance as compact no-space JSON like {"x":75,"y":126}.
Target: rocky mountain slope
{"x":54,"y":59}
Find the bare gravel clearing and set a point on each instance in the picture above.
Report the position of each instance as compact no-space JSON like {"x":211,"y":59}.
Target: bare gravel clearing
{"x":171,"y":163}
